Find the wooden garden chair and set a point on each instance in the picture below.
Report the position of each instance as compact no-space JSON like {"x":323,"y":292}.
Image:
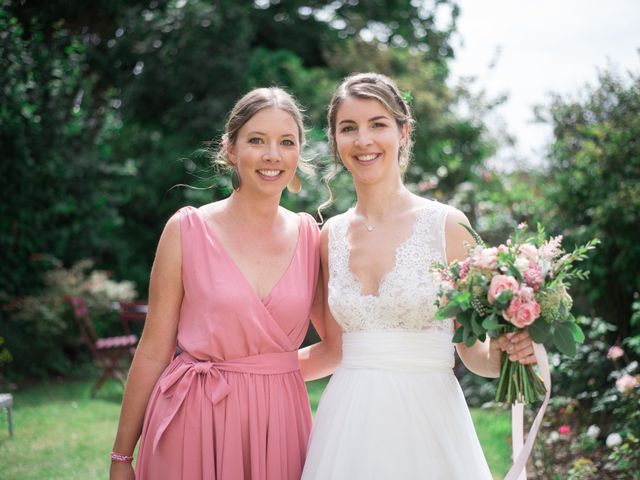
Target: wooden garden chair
{"x":109,"y":353}
{"x":132,"y":313}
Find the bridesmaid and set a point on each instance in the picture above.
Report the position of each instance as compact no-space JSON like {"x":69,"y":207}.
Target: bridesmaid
{"x":232,"y":287}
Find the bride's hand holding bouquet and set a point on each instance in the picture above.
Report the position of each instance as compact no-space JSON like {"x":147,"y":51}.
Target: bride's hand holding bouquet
{"x":518,"y":289}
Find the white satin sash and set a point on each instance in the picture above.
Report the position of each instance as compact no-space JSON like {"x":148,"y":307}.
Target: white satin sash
{"x":398,"y":350}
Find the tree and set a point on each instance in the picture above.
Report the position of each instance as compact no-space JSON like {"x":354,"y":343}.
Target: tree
{"x":594,"y":187}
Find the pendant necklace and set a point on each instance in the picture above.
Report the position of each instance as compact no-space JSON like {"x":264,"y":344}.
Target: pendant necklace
{"x":370,"y":228}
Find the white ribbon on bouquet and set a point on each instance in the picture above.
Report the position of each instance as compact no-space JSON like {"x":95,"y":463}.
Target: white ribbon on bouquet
{"x":521,"y":449}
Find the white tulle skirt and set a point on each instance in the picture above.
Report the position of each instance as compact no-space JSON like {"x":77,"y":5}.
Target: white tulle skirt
{"x":394,"y":410}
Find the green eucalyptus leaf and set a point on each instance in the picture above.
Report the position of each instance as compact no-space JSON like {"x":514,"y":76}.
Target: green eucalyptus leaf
{"x":475,"y":324}
{"x":563,"y":339}
{"x":464,"y":318}
{"x":448,"y":311}
{"x":576,"y":331}
{"x":458,"y":337}
{"x":470,"y":340}
{"x":490,"y":322}
{"x":539,"y":331}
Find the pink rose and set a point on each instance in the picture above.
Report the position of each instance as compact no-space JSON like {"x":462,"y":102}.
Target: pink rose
{"x":615,"y":352}
{"x":529,"y":251}
{"x":499,"y":284}
{"x":626,"y":383}
{"x":522,"y":313}
{"x":533,"y":276}
{"x":487,"y":258}
{"x":564,"y":430}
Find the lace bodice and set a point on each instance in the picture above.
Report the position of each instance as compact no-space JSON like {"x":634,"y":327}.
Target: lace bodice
{"x":407,"y":292}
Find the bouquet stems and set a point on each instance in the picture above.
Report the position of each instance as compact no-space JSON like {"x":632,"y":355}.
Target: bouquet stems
{"x":518,"y":383}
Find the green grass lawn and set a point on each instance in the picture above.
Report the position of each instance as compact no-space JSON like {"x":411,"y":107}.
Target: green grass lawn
{"x":62,"y":433}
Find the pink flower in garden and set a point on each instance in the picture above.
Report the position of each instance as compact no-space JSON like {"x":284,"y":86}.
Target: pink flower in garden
{"x":502,"y":248}
{"x":529,"y":251}
{"x":522,"y":313}
{"x":564,"y":430}
{"x":615,"y":352}
{"x":499,"y":284}
{"x":487,"y":258}
{"x":533,"y":276}
{"x":626,"y":383}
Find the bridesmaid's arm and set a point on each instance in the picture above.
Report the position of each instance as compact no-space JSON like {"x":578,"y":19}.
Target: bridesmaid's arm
{"x":483,"y":358}
{"x":157,"y":345}
{"x":322,"y":358}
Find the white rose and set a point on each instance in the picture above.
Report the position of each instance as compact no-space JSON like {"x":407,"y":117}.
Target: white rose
{"x":553,"y":437}
{"x":613,"y":440}
{"x":521,"y":264}
{"x":593,"y":431}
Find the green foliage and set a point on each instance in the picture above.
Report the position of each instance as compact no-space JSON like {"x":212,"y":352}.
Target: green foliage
{"x":57,"y":195}
{"x":595,"y":407}
{"x":43,"y":322}
{"x":104,"y":108}
{"x":595,"y":192}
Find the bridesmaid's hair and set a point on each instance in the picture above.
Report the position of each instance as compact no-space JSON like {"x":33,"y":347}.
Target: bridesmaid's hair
{"x":251,"y":103}
{"x":368,"y":86}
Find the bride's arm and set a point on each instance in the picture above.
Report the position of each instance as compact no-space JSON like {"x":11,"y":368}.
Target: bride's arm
{"x":322,"y":358}
{"x":483,"y":358}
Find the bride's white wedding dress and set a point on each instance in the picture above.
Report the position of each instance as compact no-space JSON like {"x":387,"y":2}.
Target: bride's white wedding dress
{"x":393,"y":409}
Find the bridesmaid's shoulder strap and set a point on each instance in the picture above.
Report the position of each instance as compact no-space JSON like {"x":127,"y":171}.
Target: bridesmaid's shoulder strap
{"x":309,"y":227}
{"x":191,"y":223}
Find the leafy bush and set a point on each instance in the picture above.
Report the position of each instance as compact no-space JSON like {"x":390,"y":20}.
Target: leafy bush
{"x":593,"y":419}
{"x":41,"y":331}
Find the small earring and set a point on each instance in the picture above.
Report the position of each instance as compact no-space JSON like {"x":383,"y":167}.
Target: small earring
{"x":235,"y":179}
{"x":294,"y":185}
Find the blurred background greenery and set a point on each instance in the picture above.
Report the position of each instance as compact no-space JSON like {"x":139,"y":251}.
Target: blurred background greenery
{"x":105,"y":107}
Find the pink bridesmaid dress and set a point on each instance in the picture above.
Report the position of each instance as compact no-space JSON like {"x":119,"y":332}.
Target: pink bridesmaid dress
{"x":233,"y":404}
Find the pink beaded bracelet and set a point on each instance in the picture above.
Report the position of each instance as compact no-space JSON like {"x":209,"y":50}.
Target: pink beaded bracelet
{"x":120,"y":457}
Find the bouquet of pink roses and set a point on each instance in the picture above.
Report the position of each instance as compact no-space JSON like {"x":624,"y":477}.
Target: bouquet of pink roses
{"x":520,"y":284}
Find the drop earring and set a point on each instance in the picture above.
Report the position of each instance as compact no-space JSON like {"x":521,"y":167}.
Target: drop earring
{"x":235,"y":179}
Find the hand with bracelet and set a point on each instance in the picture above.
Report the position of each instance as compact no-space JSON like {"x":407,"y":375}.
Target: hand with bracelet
{"x":121,"y":466}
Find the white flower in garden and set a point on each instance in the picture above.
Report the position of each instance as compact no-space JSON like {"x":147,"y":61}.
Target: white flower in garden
{"x":613,"y":440}
{"x":529,"y":252}
{"x":553,"y":437}
{"x":593,"y":431}
{"x":521,"y":263}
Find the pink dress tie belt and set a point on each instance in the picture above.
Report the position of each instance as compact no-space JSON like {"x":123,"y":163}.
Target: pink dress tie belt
{"x":176,"y":385}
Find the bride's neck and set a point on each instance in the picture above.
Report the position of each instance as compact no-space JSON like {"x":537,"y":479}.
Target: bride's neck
{"x":377,"y":201}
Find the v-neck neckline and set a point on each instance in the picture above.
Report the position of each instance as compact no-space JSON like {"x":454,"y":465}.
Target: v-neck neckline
{"x":212,"y":233}
{"x":387,"y":274}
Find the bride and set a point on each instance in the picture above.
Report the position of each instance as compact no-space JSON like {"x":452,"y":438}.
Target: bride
{"x":393,"y":408}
